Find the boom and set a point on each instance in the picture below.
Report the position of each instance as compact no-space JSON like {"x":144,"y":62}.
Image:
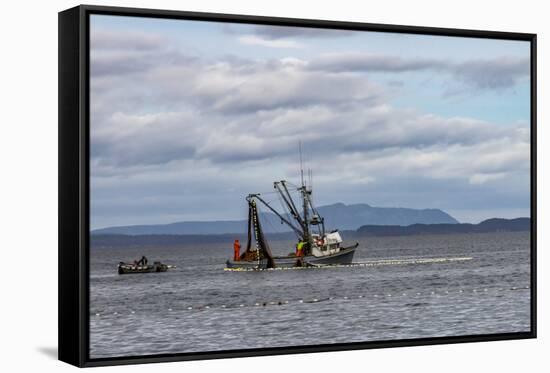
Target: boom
{"x":283,"y":219}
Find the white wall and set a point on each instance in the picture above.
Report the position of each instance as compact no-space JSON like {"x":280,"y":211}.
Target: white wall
{"x":28,"y":188}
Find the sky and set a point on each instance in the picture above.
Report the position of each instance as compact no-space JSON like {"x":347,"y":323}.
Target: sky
{"x":189,"y":117}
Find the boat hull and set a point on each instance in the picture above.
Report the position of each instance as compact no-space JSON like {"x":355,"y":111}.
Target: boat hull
{"x":344,"y":256}
{"x":131,"y":268}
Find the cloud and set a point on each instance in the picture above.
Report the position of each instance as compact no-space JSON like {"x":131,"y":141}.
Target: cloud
{"x":271,"y":43}
{"x":268,"y":32}
{"x":273,"y":87}
{"x":130,"y":52}
{"x":281,"y":36}
{"x":129,"y":61}
{"x":503,"y":72}
{"x":484,"y":178}
{"x":127,"y":140}
{"x":487,"y":74}
{"x":284,"y":32}
{"x":362,"y":62}
{"x":127,"y":40}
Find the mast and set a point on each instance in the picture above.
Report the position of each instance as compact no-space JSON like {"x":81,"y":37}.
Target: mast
{"x":307,"y":236}
{"x":301,"y":163}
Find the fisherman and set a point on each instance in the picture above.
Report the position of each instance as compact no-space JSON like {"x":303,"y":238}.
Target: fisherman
{"x":300,"y":248}
{"x":143,"y":261}
{"x":236,"y":250}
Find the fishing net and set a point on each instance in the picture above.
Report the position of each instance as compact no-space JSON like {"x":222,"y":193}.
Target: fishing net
{"x":259,"y":251}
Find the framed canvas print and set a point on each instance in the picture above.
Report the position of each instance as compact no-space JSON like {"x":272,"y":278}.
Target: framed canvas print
{"x":234,"y":186}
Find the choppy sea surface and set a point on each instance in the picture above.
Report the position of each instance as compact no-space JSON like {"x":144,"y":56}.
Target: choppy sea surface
{"x":200,"y":307}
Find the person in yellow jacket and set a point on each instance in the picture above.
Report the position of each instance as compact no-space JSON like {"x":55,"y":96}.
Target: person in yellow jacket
{"x":300,"y":248}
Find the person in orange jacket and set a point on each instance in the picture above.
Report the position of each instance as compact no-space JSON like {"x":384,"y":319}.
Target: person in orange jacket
{"x":236,"y":250}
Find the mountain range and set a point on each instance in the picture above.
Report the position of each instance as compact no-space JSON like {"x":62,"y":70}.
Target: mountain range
{"x":337,"y":216}
{"x":487,"y":226}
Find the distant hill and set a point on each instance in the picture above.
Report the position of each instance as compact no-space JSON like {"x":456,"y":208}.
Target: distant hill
{"x":486,"y":226}
{"x":341,"y":216}
{"x":337,"y":216}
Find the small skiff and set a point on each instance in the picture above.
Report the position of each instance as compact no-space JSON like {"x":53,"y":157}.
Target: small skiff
{"x":125,"y":268}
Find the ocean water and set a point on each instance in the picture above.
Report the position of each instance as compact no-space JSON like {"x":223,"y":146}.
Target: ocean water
{"x":200,"y":307}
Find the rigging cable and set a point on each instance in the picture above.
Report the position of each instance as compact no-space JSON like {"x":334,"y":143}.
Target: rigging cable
{"x":269,"y":223}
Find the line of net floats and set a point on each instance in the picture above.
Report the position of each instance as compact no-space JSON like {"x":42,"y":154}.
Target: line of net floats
{"x":372,"y":263}
{"x":478,"y":291}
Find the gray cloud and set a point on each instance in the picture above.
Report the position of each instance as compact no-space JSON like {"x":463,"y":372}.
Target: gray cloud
{"x":268,"y":32}
{"x":282,"y":32}
{"x":118,"y":64}
{"x":281,"y":36}
{"x":129,"y":61}
{"x":361,"y":62}
{"x":239,"y":110}
{"x":130,"y":52}
{"x":497,"y":73}
{"x":125,"y":40}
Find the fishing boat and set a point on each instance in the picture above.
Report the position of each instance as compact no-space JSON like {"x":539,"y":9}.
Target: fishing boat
{"x":126,"y":268}
{"x":315,"y":247}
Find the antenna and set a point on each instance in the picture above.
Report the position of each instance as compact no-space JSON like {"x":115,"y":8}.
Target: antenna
{"x":301,"y":162}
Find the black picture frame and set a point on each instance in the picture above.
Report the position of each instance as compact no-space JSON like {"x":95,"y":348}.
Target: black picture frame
{"x":74,"y":187}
